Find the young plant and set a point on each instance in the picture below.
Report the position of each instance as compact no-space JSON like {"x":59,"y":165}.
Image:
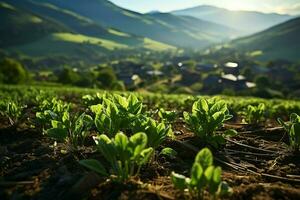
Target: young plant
{"x":293,"y":129}
{"x":116,"y":113}
{"x":92,"y":99}
{"x":51,"y":110}
{"x":72,"y":130}
{"x":157,"y":132}
{"x":124,"y":155}
{"x":167,"y":116}
{"x":255,"y":114}
{"x":206,"y":117}
{"x":12,"y":111}
{"x":204,"y":176}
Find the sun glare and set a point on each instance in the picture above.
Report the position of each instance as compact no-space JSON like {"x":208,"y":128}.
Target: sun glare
{"x":241,"y":5}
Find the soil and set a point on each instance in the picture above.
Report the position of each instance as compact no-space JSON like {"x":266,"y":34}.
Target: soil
{"x":257,"y":164}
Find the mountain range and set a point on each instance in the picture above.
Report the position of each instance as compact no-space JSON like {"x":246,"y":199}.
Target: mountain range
{"x":279,"y":42}
{"x":88,"y":29}
{"x":99,"y":25}
{"x":246,"y":22}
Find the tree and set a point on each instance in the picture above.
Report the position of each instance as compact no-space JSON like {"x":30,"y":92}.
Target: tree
{"x":106,"y":77}
{"x":262,"y":81}
{"x":68,"y":76}
{"x":12,"y":72}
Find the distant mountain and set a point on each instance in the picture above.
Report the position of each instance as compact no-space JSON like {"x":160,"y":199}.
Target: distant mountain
{"x":206,"y":33}
{"x":41,"y":29}
{"x":107,"y":14}
{"x":153,"y":12}
{"x":279,"y":42}
{"x":248,"y":22}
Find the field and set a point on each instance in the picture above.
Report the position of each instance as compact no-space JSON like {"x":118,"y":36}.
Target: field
{"x":48,"y":149}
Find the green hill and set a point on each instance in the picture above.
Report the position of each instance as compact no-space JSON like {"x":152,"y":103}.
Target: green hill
{"x":279,"y":42}
{"x":41,"y":29}
{"x":160,"y":29}
{"x":20,"y":27}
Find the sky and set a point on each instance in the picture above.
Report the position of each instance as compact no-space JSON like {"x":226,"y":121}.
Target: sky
{"x":278,"y":6}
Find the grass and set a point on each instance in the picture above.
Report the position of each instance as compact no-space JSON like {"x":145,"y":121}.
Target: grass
{"x":118,"y":33}
{"x":7,"y":6}
{"x":71,"y":44}
{"x":157,"y":46}
{"x":67,"y":44}
{"x":78,"y":38}
{"x":36,"y":20}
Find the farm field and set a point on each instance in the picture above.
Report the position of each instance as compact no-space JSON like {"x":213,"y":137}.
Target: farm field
{"x":72,"y":143}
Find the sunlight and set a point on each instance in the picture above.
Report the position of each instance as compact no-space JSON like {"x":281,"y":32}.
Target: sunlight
{"x":241,"y":5}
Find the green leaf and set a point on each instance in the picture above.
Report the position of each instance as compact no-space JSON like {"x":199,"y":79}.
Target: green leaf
{"x":137,"y":143}
{"x":283,"y":124}
{"x":66,"y":117}
{"x":94,"y":165}
{"x":215,"y":180}
{"x":218,"y":106}
{"x":230,"y":133}
{"x":204,"y":105}
{"x":208,"y":173}
{"x":145,"y":155}
{"x":204,"y":158}
{"x":87,"y":119}
{"x":106,"y":147}
{"x":121,"y":100}
{"x":169,"y":152}
{"x":218,"y":117}
{"x":121,"y":141}
{"x":59,"y":134}
{"x":196,"y":175}
{"x":56,"y":124}
{"x":186,"y":116}
{"x":294,"y":118}
{"x":96,"y":108}
{"x":178,"y":180}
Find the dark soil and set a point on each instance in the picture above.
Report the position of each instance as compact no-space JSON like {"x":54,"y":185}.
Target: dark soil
{"x":257,"y":164}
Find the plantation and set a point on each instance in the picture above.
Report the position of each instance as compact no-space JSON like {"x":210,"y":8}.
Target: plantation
{"x":71,"y":143}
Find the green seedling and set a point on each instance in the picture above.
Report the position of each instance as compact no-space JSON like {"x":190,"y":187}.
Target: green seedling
{"x":12,"y":111}
{"x":157,"y":132}
{"x":73,"y":130}
{"x":124,"y":155}
{"x":51,"y":110}
{"x":293,"y":129}
{"x":167,"y":116}
{"x":206,"y":117}
{"x":204,"y":176}
{"x":168,"y":152}
{"x":116,"y":113}
{"x":255,"y":114}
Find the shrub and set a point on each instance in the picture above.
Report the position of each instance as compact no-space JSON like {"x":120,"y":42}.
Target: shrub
{"x":12,"y":72}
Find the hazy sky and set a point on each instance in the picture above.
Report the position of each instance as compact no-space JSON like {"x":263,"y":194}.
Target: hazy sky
{"x":279,"y":6}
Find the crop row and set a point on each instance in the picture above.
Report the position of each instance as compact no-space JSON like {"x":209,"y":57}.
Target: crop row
{"x":128,"y":134}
